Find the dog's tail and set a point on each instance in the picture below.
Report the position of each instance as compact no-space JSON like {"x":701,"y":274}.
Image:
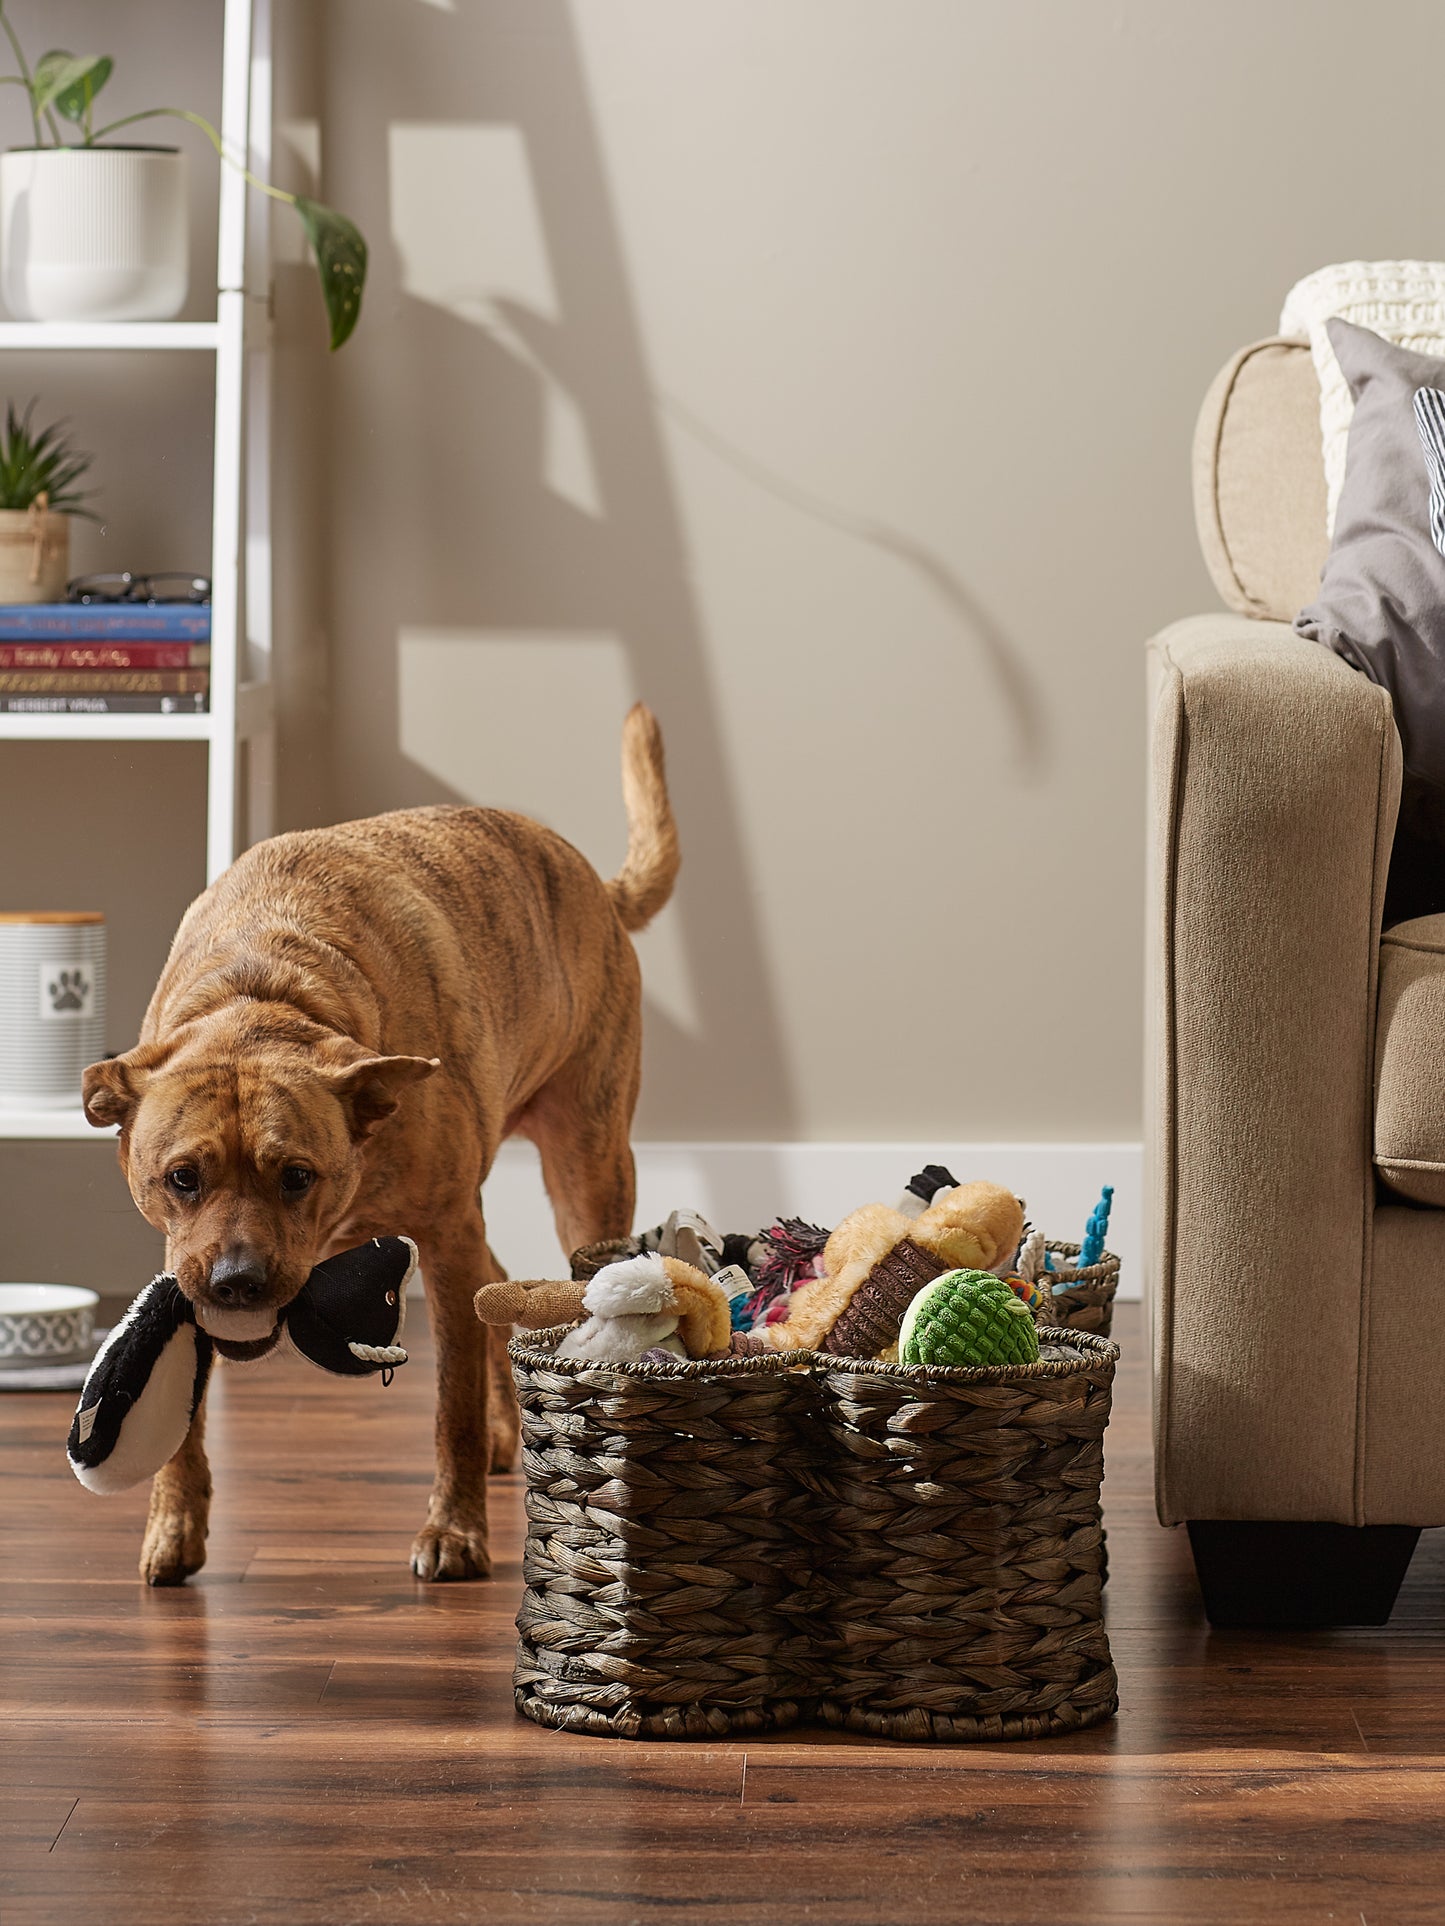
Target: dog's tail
{"x":645,"y":880}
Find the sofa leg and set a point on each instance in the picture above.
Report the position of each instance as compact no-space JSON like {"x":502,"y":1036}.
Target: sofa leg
{"x":1260,"y":1573}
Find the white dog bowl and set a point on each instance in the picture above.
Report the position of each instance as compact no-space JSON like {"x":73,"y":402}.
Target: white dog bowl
{"x":45,"y":1321}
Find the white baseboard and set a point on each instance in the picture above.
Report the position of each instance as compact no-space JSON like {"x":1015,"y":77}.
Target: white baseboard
{"x":746,"y":1185}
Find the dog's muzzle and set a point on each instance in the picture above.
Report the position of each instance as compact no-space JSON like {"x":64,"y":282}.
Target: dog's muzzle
{"x":237,"y":1308}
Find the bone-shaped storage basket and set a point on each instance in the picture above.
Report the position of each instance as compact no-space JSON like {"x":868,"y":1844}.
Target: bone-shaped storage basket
{"x":730,"y":1546}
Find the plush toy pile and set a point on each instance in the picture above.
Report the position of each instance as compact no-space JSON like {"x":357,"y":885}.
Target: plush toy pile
{"x":959,"y":1260}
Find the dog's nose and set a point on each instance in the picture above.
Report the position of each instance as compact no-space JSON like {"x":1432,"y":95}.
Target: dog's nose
{"x":238,"y":1280}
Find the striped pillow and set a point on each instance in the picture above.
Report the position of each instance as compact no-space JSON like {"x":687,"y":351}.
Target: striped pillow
{"x":1430,"y":421}
{"x":1381,"y":600}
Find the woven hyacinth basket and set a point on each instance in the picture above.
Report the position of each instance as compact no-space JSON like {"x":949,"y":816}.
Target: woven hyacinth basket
{"x":670,"y":1553}
{"x":732,"y":1546}
{"x":962,"y":1511}
{"x":1088,"y":1303}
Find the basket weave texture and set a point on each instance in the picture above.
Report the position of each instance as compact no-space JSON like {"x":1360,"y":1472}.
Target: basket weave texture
{"x":731,"y":1546}
{"x":1088,"y":1304}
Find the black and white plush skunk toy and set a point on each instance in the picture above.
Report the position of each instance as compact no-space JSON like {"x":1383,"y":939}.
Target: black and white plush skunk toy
{"x":149,"y":1376}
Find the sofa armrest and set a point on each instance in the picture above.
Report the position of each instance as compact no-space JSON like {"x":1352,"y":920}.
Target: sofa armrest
{"x":1275,"y":781}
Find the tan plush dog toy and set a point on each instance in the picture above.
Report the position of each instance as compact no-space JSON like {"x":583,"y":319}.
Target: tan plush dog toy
{"x":877,"y":1260}
{"x":636,"y":1305}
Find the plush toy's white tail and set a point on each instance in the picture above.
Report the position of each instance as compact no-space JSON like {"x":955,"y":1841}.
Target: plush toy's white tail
{"x":645,"y":880}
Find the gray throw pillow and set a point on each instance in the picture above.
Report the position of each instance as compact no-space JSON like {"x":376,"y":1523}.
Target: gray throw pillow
{"x":1381,"y":603}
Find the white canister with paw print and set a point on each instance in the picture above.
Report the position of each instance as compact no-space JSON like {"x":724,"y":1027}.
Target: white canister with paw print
{"x":52,"y":1005}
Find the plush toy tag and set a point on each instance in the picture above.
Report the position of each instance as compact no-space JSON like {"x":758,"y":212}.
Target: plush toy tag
{"x":348,"y":1315}
{"x":141,"y":1392}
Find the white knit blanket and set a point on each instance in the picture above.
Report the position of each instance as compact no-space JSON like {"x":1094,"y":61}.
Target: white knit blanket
{"x":1402,"y":300}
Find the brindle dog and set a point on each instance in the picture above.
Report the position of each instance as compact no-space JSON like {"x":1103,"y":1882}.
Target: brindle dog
{"x":350,"y":1022}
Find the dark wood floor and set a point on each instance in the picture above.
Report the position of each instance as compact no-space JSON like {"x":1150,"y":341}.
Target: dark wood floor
{"x":306,"y":1734}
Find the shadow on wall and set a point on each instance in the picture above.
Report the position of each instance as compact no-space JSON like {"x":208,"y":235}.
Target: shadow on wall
{"x":533,"y":576}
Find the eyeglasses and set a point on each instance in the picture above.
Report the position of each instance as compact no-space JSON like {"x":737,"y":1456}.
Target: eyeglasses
{"x":170,"y":585}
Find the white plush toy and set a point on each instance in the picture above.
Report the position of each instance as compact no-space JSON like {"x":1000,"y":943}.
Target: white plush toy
{"x":649,"y":1303}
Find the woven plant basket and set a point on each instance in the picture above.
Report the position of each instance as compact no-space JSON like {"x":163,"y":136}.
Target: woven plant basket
{"x":1088,"y":1304}
{"x":737,"y":1545}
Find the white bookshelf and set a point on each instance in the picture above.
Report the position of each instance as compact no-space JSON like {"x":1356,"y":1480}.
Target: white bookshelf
{"x":241,"y":722}
{"x":52,"y":1124}
{"x":109,"y":337}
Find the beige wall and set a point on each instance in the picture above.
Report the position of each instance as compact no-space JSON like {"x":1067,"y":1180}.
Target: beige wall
{"x":823,"y":371}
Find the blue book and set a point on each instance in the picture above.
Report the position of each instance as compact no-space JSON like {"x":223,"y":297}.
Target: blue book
{"x":105,"y":622}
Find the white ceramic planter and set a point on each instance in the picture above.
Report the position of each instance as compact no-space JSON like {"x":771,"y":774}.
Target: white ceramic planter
{"x":93,"y":233}
{"x":52,"y":1006}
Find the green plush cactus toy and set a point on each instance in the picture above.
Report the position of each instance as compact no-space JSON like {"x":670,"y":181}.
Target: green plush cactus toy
{"x":967,"y":1317}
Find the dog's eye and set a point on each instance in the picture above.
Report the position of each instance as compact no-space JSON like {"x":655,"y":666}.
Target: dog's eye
{"x":184,"y":1180}
{"x":296,"y":1180}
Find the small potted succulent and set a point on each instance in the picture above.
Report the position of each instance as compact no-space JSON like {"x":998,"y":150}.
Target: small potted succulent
{"x":96,"y":230}
{"x":40,"y":470}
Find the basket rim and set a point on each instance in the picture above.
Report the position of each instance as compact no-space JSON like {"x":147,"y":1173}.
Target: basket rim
{"x":534,"y":1349}
{"x":1095,"y":1352}
{"x":1106,"y":1271}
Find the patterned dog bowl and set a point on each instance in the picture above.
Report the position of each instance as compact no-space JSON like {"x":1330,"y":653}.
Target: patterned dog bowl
{"x":44,"y":1321}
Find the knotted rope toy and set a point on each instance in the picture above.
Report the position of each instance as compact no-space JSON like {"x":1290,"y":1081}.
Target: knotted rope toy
{"x":148,"y":1379}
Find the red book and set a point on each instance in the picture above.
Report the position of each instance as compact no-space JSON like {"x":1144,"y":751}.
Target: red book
{"x":105,"y":655}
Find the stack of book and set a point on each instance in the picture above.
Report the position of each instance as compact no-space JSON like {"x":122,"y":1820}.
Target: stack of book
{"x":105,"y":658}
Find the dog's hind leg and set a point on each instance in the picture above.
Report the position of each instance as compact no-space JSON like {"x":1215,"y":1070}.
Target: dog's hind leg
{"x":504,"y":1418}
{"x":175,"y":1536}
{"x":581,"y":1123}
{"x":454,"y":1263}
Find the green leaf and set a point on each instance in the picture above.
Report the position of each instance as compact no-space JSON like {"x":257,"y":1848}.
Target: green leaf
{"x":74,"y":101}
{"x":340,"y":255}
{"x":40,"y":461}
{"x":68,"y":82}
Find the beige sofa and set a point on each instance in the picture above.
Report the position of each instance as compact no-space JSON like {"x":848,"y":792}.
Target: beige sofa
{"x":1296,"y":1128}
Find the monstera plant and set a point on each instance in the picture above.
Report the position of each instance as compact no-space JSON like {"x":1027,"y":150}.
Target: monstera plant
{"x":59,"y":262}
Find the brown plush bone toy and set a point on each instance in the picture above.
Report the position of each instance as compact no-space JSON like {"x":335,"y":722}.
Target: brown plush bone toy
{"x":638,"y":1304}
{"x":535,"y":1306}
{"x":877,"y":1260}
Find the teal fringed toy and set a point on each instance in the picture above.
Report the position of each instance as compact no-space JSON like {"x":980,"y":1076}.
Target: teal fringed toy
{"x":967,"y":1317}
{"x":1095,"y":1231}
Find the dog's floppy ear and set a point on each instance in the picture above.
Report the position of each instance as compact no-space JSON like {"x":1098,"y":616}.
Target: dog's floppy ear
{"x":370,"y":1089}
{"x":111,"y":1089}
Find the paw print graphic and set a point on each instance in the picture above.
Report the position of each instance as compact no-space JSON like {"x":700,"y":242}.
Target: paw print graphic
{"x":68,"y":991}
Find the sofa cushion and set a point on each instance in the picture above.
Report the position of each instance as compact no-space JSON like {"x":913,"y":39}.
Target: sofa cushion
{"x":1259,"y":481}
{"x":1410,"y":1060}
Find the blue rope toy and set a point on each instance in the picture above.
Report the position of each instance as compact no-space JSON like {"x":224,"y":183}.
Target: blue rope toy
{"x":1095,"y":1231}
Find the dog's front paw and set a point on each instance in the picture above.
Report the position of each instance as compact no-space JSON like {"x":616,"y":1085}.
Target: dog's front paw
{"x":451,"y":1551}
{"x":174,"y":1547}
